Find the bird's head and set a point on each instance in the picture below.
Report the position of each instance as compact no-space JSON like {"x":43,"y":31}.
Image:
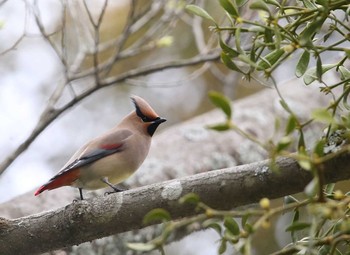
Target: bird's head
{"x":148,"y":116}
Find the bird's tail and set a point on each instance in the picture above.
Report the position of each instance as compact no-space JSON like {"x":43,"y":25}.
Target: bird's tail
{"x":62,"y":179}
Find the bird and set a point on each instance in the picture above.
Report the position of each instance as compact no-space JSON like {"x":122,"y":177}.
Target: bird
{"x":111,"y":157}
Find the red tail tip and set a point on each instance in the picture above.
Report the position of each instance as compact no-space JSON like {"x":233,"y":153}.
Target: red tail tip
{"x":41,"y":189}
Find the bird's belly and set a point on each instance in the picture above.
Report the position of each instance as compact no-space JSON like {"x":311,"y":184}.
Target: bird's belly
{"x":115,"y":170}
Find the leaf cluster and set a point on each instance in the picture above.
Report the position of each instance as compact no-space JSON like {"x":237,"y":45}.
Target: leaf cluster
{"x":326,"y":232}
{"x":308,"y":28}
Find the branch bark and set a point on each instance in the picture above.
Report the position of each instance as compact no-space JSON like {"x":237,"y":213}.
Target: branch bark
{"x":102,"y":216}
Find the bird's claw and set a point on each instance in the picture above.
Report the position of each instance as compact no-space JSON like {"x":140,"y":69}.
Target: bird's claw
{"x":115,"y":190}
{"x":109,"y":192}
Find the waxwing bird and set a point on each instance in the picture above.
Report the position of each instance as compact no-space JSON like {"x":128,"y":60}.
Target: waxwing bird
{"x":112,"y":157}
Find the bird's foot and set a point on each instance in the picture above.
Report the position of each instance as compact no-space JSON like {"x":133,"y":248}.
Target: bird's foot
{"x":115,"y":190}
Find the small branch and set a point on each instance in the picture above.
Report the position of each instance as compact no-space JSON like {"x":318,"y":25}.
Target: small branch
{"x":223,"y":189}
{"x":123,"y":37}
{"x":213,"y":56}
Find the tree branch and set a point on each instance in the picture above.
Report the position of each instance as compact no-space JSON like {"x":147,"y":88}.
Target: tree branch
{"x":102,"y":216}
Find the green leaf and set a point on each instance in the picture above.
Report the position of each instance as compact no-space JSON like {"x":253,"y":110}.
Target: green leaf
{"x":141,"y":246}
{"x":229,"y":63}
{"x":309,"y":4}
{"x":345,"y":97}
{"x":303,"y":63}
{"x":231,"y":226}
{"x":324,"y":3}
{"x":273,"y":2}
{"x":304,"y":163}
{"x":310,"y":75}
{"x":222,"y":102}
{"x":247,"y":60}
{"x":270,"y":59}
{"x":212,"y":223}
{"x":325,"y":250}
{"x":296,"y":226}
{"x":277,"y":125}
{"x":249,"y":228}
{"x":245,"y":220}
{"x":223,"y":246}
{"x":296,"y":216}
{"x":319,"y":148}
{"x":344,"y":73}
{"x":238,"y":40}
{"x":285,"y":106}
{"x":347,"y":52}
{"x":220,"y":127}
{"x":156,"y":215}
{"x":319,"y":68}
{"x":196,"y":10}
{"x":337,"y":227}
{"x":294,"y":220}
{"x":323,"y":116}
{"x":228,"y":50}
{"x":256,"y":29}
{"x":190,"y":198}
{"x":301,"y":142}
{"x":291,"y":125}
{"x":329,"y":188}
{"x":307,"y":35}
{"x":259,"y":5}
{"x":283,"y":143}
{"x":252,"y":53}
{"x":240,"y":2}
{"x":229,"y":7}
{"x":268,"y":36}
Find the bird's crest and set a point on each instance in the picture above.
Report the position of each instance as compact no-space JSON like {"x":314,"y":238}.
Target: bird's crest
{"x":144,"y":110}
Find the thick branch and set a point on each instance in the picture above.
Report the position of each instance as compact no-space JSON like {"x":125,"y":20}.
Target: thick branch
{"x":102,"y":216}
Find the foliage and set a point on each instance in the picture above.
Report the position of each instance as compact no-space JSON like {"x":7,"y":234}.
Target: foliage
{"x":311,"y":29}
{"x":282,"y":29}
{"x":326,"y":233}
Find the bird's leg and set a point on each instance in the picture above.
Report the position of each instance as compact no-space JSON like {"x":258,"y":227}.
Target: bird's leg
{"x":81,"y":196}
{"x":115,"y":189}
{"x":81,"y":193}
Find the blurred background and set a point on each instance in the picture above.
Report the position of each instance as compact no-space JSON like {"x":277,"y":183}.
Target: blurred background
{"x":48,"y":58}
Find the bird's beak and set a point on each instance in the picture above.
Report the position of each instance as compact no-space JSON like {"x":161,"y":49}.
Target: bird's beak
{"x":159,"y":120}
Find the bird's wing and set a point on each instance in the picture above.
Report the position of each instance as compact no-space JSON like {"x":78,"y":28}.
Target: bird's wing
{"x":96,"y":149}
